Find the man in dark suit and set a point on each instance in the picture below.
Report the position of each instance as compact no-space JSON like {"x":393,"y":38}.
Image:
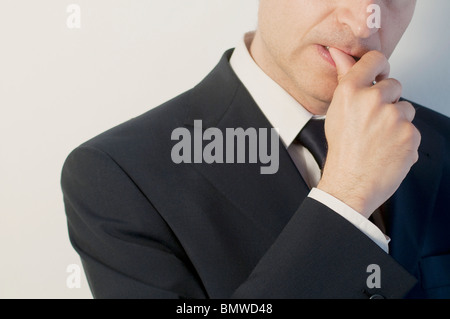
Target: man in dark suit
{"x":155,"y":218}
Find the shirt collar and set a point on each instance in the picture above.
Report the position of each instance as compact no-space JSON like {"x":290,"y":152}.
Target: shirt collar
{"x":279,"y":107}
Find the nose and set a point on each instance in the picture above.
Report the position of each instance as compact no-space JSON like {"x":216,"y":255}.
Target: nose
{"x":363,"y":17}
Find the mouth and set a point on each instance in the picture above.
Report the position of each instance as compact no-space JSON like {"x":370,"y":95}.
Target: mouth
{"x":325,"y":54}
{"x":356,"y":58}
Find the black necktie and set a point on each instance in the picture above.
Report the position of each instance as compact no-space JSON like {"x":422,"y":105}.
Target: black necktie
{"x":312,"y":136}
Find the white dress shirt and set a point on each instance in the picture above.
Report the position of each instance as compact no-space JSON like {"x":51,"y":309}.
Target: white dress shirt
{"x":289,"y":117}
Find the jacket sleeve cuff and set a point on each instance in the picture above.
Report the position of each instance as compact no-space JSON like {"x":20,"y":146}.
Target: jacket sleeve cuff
{"x":358,"y":220}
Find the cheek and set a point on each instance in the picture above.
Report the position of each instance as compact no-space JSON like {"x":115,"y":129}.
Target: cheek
{"x":391,"y":35}
{"x":394,"y":26}
{"x":283,"y":23}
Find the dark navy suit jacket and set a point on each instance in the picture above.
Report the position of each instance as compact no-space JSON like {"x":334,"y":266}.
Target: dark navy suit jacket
{"x":146,"y":227}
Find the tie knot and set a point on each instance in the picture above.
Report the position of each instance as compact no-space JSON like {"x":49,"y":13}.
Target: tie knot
{"x":312,"y":136}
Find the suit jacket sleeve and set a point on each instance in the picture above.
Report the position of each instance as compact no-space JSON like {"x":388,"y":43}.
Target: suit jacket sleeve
{"x":128,"y":251}
{"x":319,"y":254}
{"x":126,"y":248}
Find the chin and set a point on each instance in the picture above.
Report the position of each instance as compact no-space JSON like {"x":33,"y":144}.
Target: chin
{"x":322,"y":91}
{"x":318,"y":81}
{"x":314,"y":82}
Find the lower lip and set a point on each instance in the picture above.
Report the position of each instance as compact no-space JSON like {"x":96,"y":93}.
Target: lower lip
{"x":325,"y":54}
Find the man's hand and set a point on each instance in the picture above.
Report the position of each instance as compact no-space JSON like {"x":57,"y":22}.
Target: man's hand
{"x":372,"y":143}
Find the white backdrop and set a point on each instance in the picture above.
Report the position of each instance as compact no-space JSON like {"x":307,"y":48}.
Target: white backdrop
{"x":62,"y":86}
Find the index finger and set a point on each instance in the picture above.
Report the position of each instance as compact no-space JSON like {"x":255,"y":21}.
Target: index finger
{"x":372,"y":66}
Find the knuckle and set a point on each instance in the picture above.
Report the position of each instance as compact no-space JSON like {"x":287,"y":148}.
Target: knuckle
{"x":393,"y":113}
{"x":408,"y":106}
{"x":412,"y":109}
{"x":415,"y":157}
{"x":412,"y":136}
{"x":417,"y":136}
{"x":411,"y":132}
{"x":409,"y":110}
{"x":377,"y":55}
{"x":397,"y":83}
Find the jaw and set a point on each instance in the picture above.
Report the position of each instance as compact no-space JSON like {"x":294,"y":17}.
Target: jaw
{"x":311,"y":84}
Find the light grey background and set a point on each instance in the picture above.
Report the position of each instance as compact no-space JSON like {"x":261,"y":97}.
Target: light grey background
{"x":61,"y":86}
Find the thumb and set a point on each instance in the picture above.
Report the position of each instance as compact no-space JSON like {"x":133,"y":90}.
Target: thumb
{"x":343,"y":61}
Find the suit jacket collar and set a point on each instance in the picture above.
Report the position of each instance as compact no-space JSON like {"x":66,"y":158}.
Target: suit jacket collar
{"x":212,"y":97}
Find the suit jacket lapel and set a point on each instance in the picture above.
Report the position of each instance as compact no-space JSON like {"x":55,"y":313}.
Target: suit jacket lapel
{"x":221,"y":101}
{"x":411,"y":207}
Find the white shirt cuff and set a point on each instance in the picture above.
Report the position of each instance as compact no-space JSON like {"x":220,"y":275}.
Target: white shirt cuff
{"x":358,"y":220}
